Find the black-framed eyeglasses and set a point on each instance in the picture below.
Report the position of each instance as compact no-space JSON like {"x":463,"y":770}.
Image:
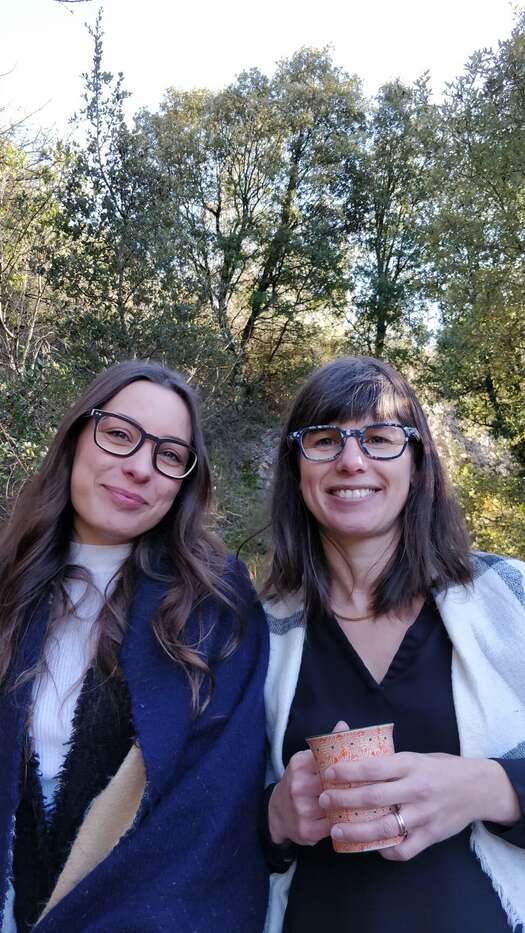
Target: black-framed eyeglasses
{"x":122,"y":437}
{"x":384,"y":441}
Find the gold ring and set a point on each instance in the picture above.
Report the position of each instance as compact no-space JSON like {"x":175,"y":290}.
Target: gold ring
{"x":403,"y":831}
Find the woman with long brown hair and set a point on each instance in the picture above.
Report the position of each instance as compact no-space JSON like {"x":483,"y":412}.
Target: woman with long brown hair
{"x":133,"y":653}
{"x":379,"y":613}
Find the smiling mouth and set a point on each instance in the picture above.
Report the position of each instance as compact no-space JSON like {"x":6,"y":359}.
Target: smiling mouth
{"x":353,"y":494}
{"x":122,"y":495}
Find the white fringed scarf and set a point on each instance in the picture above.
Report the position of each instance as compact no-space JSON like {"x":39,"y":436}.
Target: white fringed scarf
{"x":486,"y":626}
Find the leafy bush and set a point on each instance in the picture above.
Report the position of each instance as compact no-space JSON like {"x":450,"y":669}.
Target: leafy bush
{"x":494,"y":507}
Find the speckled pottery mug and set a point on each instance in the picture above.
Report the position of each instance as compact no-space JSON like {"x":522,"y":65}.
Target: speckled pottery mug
{"x":353,"y":745}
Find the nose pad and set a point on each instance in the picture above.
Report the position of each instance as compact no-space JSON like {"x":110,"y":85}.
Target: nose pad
{"x":140,"y":464}
{"x":351,"y":457}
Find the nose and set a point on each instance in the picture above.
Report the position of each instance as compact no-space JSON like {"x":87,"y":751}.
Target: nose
{"x":139,"y":466}
{"x":351,"y":457}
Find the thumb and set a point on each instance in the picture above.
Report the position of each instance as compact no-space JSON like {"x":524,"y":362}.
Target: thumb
{"x":340,"y":726}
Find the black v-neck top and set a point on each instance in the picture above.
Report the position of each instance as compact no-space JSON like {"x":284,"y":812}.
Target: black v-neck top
{"x":443,"y":889}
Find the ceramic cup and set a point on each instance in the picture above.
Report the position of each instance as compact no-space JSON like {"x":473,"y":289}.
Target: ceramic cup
{"x":353,"y":745}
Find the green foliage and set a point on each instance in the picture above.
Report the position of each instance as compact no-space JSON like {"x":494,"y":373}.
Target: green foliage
{"x":115,"y":266}
{"x":252,"y":175}
{"x":494,"y":507}
{"x":241,"y":443}
{"x":27,"y":210}
{"x":477,"y":241}
{"x":390,"y":194}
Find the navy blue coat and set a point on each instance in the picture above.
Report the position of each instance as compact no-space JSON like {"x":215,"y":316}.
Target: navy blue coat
{"x":191,"y":861}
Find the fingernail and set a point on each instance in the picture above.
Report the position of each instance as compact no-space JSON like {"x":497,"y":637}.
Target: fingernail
{"x":324,"y":800}
{"x":337,"y":833}
{"x":330,"y":774}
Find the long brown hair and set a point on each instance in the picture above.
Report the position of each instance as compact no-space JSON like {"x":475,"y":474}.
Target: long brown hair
{"x":180,"y":549}
{"x":433,"y":547}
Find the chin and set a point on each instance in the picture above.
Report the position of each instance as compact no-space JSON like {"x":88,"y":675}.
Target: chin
{"x":117,"y":535}
{"x":357,"y":533}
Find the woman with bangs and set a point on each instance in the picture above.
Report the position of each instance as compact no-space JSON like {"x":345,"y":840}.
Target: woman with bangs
{"x":131,"y":675}
{"x":378,"y":612}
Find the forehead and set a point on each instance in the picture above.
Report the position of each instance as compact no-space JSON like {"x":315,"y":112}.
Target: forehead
{"x":357,"y":401}
{"x":355,"y":416}
{"x":157,"y":409}
{"x":363,"y":421}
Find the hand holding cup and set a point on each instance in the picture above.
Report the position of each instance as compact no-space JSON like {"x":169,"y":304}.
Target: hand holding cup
{"x":354,"y":745}
{"x":294,"y":813}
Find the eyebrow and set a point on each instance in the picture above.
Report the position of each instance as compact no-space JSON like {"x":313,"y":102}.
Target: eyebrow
{"x":164,"y":437}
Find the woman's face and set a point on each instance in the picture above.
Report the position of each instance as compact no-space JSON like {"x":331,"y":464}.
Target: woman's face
{"x":354,"y":497}
{"x":115,"y":499}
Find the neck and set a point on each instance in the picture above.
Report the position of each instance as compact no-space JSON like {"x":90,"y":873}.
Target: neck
{"x":355,"y":567}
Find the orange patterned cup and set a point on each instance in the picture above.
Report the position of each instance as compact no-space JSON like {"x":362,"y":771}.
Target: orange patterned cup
{"x":353,"y":745}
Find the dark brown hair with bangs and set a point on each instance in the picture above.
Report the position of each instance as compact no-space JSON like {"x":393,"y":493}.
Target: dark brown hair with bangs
{"x":433,"y":548}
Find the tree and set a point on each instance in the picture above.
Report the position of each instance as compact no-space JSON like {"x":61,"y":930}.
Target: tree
{"x":27,"y":207}
{"x":391,"y":202}
{"x":252,"y":173}
{"x":116,"y":265}
{"x":479,"y":240}
{"x":29,"y":309}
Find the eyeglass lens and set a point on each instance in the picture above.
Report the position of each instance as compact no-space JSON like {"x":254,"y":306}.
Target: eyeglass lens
{"x":382,"y":442}
{"x":121,"y":438}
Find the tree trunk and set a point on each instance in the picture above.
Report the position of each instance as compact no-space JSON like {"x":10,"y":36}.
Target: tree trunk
{"x":499,"y":424}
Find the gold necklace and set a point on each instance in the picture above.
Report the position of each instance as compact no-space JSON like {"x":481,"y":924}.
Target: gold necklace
{"x":339,"y":615}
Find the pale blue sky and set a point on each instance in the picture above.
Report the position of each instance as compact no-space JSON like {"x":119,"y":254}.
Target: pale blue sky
{"x":205,"y":43}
